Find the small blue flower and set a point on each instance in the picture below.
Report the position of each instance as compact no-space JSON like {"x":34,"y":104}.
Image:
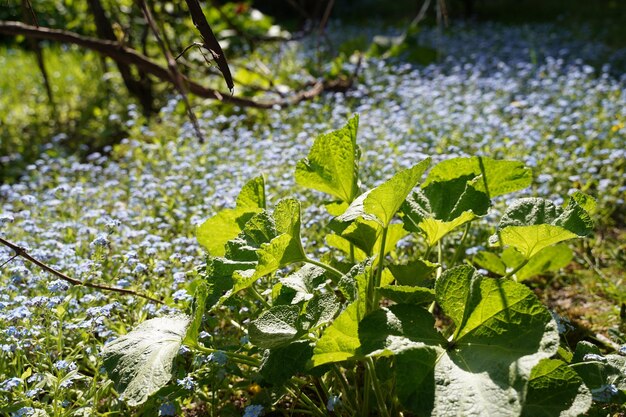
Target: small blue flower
{"x":58,"y":286}
{"x":10,"y":384}
{"x":218,"y":357}
{"x":333,"y":402}
{"x":254,"y":410}
{"x":604,"y":393}
{"x":24,"y":411}
{"x":187,"y":383}
{"x":167,"y":410}
{"x":622,"y":350}
{"x":101,"y":241}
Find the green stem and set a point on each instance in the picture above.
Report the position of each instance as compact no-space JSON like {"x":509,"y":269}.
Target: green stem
{"x":380,"y":399}
{"x":324,"y":266}
{"x":344,"y":386}
{"x":235,"y":357}
{"x":372,"y":299}
{"x":483,"y":172}
{"x":461,"y":245}
{"x":351,"y":253}
{"x":513,"y":272}
{"x":258,"y":296}
{"x":305,"y":399}
{"x":365,"y":405}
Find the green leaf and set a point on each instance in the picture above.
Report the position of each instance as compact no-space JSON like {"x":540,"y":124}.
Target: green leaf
{"x":332,"y":165}
{"x":198,"y":307}
{"x":502,"y":332}
{"x":252,"y":195}
{"x":397,"y":329}
{"x":599,"y":371}
{"x":395,"y":232}
{"x":282,"y":250}
{"x":491,"y":262}
{"x":403,"y":294}
{"x":320,"y":310}
{"x":305,"y":281}
{"x":503,"y":176}
{"x":548,"y":259}
{"x":219,"y":276}
{"x":216,"y":231}
{"x":531,"y":224}
{"x":413,"y":273}
{"x":340,"y":340}
{"x":361,"y":232}
{"x":443,"y":206}
{"x":275,"y":327}
{"x":280,"y":364}
{"x":385,"y":200}
{"x":140,"y":362}
{"x":555,"y":390}
{"x":415,"y":375}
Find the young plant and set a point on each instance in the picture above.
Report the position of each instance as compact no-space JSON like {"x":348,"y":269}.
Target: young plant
{"x":358,"y":332}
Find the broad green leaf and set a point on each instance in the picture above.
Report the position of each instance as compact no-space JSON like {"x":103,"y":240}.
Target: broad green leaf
{"x":403,"y":294}
{"x":320,"y":310}
{"x":385,"y":200}
{"x":340,"y":340}
{"x":491,"y":262}
{"x":600,"y":372}
{"x":198,"y":307}
{"x":332,"y":165}
{"x":219,"y":276}
{"x":252,"y":195}
{"x":216,"y":231}
{"x":361,"y":232}
{"x":503,"y":332}
{"x":530,"y":240}
{"x":282,"y":250}
{"x":548,"y":259}
{"x":551,"y":258}
{"x":531,"y":224}
{"x":275,"y":327}
{"x":441,"y":207}
{"x":395,"y":232}
{"x":415,"y":373}
{"x":585,"y":201}
{"x":414,"y":273}
{"x":555,"y":390}
{"x":397,"y":329}
{"x":304,"y":281}
{"x":140,"y":362}
{"x":280,"y":364}
{"x":503,"y":176}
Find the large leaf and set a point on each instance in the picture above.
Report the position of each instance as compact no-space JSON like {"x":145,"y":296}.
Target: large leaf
{"x":604,"y":375}
{"x":531,"y":224}
{"x":413,"y":273}
{"x":332,"y":165}
{"x":280,"y":364}
{"x":502,"y":176}
{"x":395,"y":232}
{"x":555,"y":390}
{"x":282,"y":250}
{"x":551,"y":258}
{"x":385,"y":200}
{"x":140,"y":362}
{"x":304,"y":282}
{"x":502,"y":332}
{"x":403,"y":294}
{"x":340,"y":340}
{"x":275,"y":327}
{"x":216,"y":231}
{"x":443,"y":206}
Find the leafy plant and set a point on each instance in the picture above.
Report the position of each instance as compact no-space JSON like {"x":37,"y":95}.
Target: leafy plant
{"x":431,"y":337}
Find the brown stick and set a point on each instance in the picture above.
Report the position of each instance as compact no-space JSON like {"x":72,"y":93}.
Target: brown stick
{"x":171,"y":64}
{"x":210,"y":41}
{"x":20,"y":251}
{"x":121,"y":53}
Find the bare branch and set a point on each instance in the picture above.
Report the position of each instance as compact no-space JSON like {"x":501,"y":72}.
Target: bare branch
{"x":124,"y":54}
{"x":20,"y":251}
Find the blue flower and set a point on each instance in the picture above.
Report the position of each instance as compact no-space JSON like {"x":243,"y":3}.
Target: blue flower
{"x":254,"y":410}
{"x":333,"y":402}
{"x":187,"y":383}
{"x":10,"y":384}
{"x":167,"y":409}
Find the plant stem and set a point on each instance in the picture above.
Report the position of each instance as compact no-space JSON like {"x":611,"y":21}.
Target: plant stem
{"x":324,"y":266}
{"x":344,"y":385}
{"x":514,"y":271}
{"x":372,"y":300}
{"x":258,"y":296}
{"x":305,"y":398}
{"x":461,"y":245}
{"x":365,"y":405}
{"x":20,"y":251}
{"x":235,"y":357}
{"x":380,"y":399}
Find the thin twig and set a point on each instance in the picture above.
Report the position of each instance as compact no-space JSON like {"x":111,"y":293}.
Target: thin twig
{"x":8,"y":260}
{"x":171,"y":64}
{"x":20,"y":251}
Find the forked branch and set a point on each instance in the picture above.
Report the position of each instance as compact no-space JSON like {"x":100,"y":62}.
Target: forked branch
{"x":21,"y":252}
